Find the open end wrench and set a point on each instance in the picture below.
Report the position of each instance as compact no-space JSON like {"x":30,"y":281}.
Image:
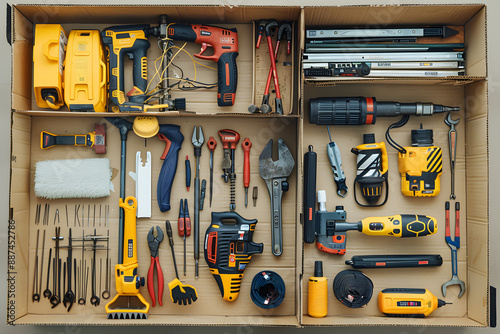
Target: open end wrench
{"x":275,"y":174}
{"x":454,"y":246}
{"x":452,"y":138}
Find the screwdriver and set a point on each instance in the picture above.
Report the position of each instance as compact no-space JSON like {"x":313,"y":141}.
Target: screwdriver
{"x":212,"y":144}
{"x":365,"y":110}
{"x":247,"y":144}
{"x":188,"y":173}
{"x":333,"y":152}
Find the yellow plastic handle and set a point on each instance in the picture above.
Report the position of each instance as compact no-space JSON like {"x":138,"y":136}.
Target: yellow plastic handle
{"x":104,"y":74}
{"x":385,"y":159}
{"x":130,"y":230}
{"x":47,"y":48}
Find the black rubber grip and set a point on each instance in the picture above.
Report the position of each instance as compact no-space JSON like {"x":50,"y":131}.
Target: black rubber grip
{"x":394,"y":261}
{"x":228,"y":79}
{"x":309,"y":200}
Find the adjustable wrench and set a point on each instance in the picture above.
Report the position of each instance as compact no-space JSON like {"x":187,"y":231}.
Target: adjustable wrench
{"x":275,"y":174}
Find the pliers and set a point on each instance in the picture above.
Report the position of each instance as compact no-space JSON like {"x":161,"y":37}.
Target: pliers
{"x":154,"y":245}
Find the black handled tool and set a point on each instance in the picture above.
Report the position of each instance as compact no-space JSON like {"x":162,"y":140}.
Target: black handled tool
{"x":394,"y":261}
{"x":365,"y":110}
{"x":310,"y":163}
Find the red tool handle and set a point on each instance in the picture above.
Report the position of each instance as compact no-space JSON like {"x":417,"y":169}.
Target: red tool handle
{"x":187,"y":222}
{"x":212,"y":143}
{"x":151,"y":286}
{"x":447,"y":219}
{"x":181,"y":226}
{"x":229,"y":137}
{"x":457,"y":219}
{"x":273,"y":67}
{"x":247,"y":144}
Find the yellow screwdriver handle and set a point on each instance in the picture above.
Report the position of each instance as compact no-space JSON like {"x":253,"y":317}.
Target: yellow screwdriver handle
{"x":400,"y":225}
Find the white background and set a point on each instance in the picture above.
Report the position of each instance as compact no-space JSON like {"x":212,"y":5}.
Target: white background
{"x":493,"y":24}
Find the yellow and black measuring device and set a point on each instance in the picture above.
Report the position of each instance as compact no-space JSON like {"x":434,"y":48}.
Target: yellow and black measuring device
{"x":408,"y":303}
{"x":372,"y":167}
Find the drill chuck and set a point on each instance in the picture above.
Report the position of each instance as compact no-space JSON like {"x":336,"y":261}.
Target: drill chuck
{"x":365,"y":110}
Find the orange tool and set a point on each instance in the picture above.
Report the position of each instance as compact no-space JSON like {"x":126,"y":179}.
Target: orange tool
{"x":229,"y":137}
{"x":247,"y":144}
{"x":184,"y":226}
{"x":212,"y":144}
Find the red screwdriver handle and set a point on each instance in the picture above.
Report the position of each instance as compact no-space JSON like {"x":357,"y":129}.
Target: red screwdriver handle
{"x":181,"y":226}
{"x":457,"y":219}
{"x":212,"y":144}
{"x":229,"y":137}
{"x":151,"y":283}
{"x":247,"y":144}
{"x":187,"y":222}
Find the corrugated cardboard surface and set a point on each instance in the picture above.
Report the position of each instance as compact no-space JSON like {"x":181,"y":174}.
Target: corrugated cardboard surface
{"x":210,"y":302}
{"x":476,"y":244}
{"x":347,"y":137}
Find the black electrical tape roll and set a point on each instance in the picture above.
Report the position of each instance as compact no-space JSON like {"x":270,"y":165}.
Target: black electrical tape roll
{"x":352,"y":288}
{"x":268,"y":289}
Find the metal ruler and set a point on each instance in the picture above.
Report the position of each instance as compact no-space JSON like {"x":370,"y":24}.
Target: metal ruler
{"x":383,"y":56}
{"x":392,"y":65}
{"x":372,"y":33}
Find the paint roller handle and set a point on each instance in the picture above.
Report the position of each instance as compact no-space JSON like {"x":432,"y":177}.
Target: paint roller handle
{"x":173,"y":137}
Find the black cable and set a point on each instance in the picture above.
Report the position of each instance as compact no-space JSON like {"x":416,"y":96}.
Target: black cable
{"x":268,"y":289}
{"x":352,"y":288}
{"x":388,"y":137}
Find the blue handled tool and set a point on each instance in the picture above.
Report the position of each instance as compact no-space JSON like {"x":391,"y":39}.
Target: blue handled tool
{"x":173,"y":137}
{"x":188,"y":173}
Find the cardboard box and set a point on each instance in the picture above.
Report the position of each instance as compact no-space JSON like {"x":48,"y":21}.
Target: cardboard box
{"x":295,"y":265}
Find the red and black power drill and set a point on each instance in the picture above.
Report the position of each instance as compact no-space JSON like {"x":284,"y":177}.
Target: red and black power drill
{"x":224,"y":42}
{"x":132,"y":41}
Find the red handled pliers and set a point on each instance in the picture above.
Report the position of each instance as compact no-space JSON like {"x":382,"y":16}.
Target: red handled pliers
{"x":154,"y":245}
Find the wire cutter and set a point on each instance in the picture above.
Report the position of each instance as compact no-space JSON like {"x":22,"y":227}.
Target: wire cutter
{"x":154,"y":245}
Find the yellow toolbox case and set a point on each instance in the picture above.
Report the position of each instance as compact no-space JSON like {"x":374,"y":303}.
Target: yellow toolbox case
{"x":85,"y":73}
{"x":48,"y":58}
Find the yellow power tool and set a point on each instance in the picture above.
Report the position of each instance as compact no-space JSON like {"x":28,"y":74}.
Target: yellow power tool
{"x":128,"y":302}
{"x":421,"y":165}
{"x":408,"y":303}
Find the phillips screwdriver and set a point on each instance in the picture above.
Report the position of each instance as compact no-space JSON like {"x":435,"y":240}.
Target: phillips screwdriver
{"x":247,"y":144}
{"x":212,"y":144}
{"x":333,"y":153}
